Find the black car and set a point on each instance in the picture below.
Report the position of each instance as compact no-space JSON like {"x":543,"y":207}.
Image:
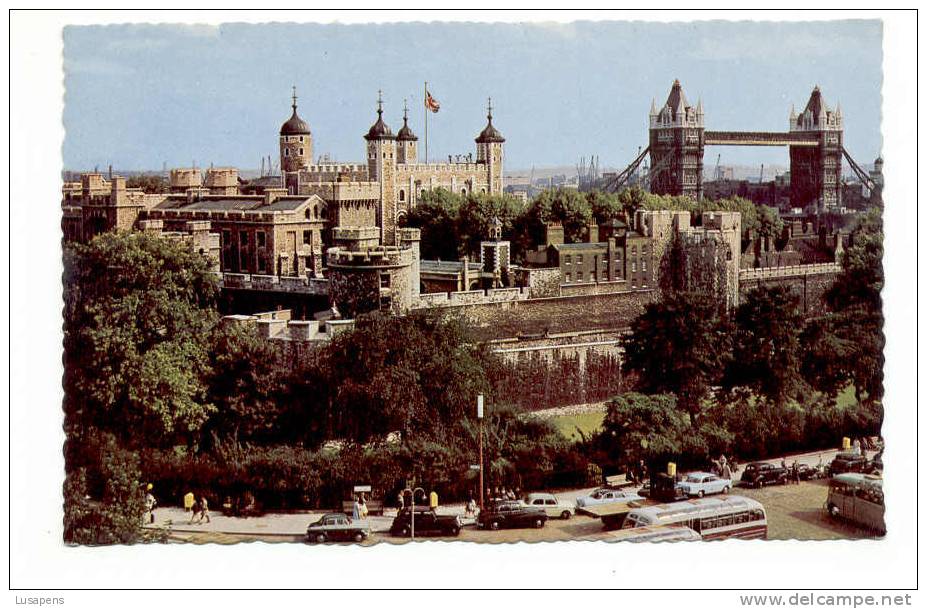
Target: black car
{"x":851,"y":462}
{"x":427,"y":522}
{"x":763,"y":474}
{"x":337,"y":527}
{"x":665,"y":488}
{"x":510,"y":514}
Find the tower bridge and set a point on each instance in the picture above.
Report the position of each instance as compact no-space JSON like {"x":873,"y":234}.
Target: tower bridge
{"x":677,"y":149}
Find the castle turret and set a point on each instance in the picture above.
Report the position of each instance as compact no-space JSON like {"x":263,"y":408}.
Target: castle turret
{"x":677,"y":145}
{"x":295,"y":148}
{"x":406,"y":141}
{"x":381,"y":167}
{"x":489,"y":151}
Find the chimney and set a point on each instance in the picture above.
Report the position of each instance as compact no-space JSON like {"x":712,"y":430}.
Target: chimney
{"x":272,"y":194}
{"x":466,"y":273}
{"x":554,"y":233}
{"x":593,"y":236}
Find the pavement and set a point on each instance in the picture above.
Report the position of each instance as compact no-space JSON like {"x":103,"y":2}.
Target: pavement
{"x":291,"y":526}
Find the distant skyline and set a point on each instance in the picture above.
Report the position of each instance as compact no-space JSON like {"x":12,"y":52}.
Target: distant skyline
{"x":138,"y":96}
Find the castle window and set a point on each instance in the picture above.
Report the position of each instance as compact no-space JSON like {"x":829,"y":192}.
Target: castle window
{"x":261,"y":239}
{"x":569,"y":277}
{"x":567,"y":259}
{"x":307,"y":237}
{"x":634,"y":266}
{"x":402,"y":195}
{"x":579,"y":276}
{"x":301,"y":152}
{"x":286,"y":152}
{"x":243,"y":238}
{"x":226,"y":238}
{"x":579,"y":258}
{"x":300,"y":139}
{"x":261,"y":264}
{"x":463,"y":191}
{"x":384,"y":281}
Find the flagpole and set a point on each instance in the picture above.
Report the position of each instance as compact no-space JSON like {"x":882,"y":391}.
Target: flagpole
{"x":425,"y":106}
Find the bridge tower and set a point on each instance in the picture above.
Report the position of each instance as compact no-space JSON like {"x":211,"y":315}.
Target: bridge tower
{"x":816,"y":171}
{"x":677,"y":146}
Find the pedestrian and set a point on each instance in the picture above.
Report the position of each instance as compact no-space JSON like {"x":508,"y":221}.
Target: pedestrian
{"x":471,"y":505}
{"x":363,"y":507}
{"x":150,"y":503}
{"x":355,"y":512}
{"x":400,"y":502}
{"x":795,"y":472}
{"x":784,"y":466}
{"x":195,"y":509}
{"x":511,"y":495}
{"x":857,"y":447}
{"x":726,"y":471}
{"x":204,"y":509}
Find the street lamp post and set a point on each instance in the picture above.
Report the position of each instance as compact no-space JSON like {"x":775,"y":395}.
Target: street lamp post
{"x":412,"y":509}
{"x":479,"y":416}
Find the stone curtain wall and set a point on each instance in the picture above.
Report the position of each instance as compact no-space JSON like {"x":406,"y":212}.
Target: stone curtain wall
{"x":554,"y":315}
{"x":810,"y":286}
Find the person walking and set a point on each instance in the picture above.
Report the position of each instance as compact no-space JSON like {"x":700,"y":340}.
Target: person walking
{"x":363,"y":507}
{"x":195,"y":509}
{"x":150,"y":503}
{"x":355,"y":510}
{"x":726,"y":471}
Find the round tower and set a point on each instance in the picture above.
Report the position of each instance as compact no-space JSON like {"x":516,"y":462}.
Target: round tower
{"x":295,"y":143}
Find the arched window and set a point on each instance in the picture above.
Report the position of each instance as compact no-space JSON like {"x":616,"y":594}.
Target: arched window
{"x":402,"y":195}
{"x":423,"y":193}
{"x":323,"y":213}
{"x":463,"y":191}
{"x":482,"y":191}
{"x":315,"y":212}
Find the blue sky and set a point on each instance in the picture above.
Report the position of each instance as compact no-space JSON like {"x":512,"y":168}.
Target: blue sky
{"x":138,"y":96}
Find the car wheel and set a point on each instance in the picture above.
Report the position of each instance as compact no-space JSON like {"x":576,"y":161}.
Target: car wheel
{"x":725,"y":490}
{"x":494,"y":525}
{"x":760,"y":483}
{"x":320,"y":538}
{"x":455,"y":531}
{"x":701,"y":493}
{"x":566,"y":514}
{"x":539,"y":523}
{"x":832,"y":510}
{"x":405,"y":532}
{"x":358,"y":537}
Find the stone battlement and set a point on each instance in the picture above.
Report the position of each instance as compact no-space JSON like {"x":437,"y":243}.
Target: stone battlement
{"x":381,"y":255}
{"x":789,"y":271}
{"x":277,"y":283}
{"x":440,"y":167}
{"x":450,"y":299}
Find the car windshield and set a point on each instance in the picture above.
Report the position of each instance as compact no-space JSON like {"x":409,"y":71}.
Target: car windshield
{"x":694,"y":478}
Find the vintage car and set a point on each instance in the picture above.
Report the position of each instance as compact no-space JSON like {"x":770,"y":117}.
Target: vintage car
{"x":763,"y":474}
{"x":606,"y":495}
{"x":427,"y":522}
{"x":510,"y":514}
{"x":553,"y":507}
{"x":852,"y":462}
{"x":699,"y":484}
{"x":337,"y":527}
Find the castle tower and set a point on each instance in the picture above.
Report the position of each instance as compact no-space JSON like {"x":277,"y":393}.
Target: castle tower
{"x":295,"y":148}
{"x":677,"y":146}
{"x":406,"y":141}
{"x":816,"y":170}
{"x":489,"y":151}
{"x":381,"y":167}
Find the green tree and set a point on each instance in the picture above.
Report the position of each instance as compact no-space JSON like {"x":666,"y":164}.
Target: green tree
{"x":476,"y":215}
{"x":246,"y":385}
{"x":138,"y":314}
{"x":680,"y":346}
{"x":437,"y":215}
{"x":150,"y":183}
{"x":767,"y":351}
{"x":568,"y":207}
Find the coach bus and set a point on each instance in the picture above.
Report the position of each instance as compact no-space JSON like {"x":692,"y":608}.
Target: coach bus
{"x":857,"y":498}
{"x":712,"y":518}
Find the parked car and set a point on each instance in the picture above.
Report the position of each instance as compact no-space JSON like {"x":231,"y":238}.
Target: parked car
{"x":666,"y":489}
{"x":427,"y":522}
{"x":553,"y":507}
{"x":699,"y":484}
{"x":606,"y":495}
{"x":850,"y":462}
{"x":811,"y":472}
{"x":337,"y":527}
{"x":763,"y":474}
{"x":511,"y":514}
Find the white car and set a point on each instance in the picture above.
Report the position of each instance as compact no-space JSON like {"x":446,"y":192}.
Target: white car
{"x":607,"y":495}
{"x":699,"y":484}
{"x":553,"y":507}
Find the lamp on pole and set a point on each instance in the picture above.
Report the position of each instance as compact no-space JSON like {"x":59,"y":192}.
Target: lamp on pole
{"x":412,"y":508}
{"x":479,"y":416}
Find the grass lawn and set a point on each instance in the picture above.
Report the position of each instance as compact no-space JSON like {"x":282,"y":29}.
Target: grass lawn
{"x":588,"y":422}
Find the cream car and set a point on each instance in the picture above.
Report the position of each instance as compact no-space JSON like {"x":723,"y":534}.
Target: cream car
{"x":553,"y":507}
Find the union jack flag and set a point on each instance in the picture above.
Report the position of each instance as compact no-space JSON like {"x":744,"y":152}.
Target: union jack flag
{"x":431,"y":103}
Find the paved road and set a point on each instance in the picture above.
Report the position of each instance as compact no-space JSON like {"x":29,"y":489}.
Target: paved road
{"x":292,"y":526}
